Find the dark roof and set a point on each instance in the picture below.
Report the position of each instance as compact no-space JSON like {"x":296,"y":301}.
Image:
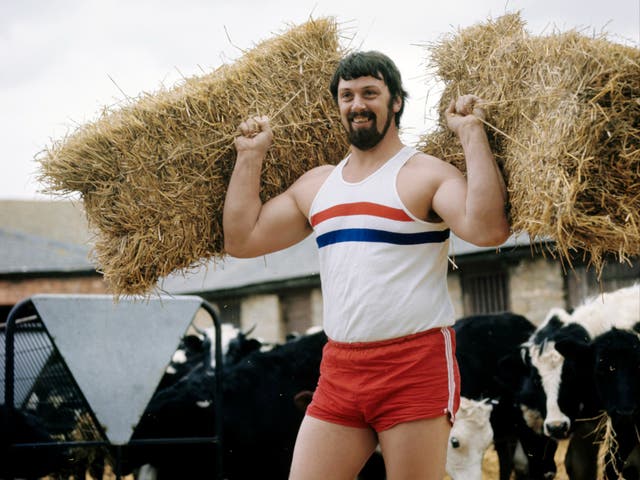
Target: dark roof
{"x":40,"y":237}
{"x":299,"y":261}
{"x":22,"y":253}
{"x":61,"y":220}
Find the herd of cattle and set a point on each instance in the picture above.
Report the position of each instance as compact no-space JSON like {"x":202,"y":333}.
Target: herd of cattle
{"x":575,"y":376}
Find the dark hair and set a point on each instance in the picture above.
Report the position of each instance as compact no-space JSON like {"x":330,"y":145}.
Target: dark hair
{"x":370,"y":64}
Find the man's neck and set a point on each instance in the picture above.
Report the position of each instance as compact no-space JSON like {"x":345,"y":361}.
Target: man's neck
{"x":364,"y":162}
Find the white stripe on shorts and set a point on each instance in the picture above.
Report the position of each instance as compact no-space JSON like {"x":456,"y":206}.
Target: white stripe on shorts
{"x":446,"y":333}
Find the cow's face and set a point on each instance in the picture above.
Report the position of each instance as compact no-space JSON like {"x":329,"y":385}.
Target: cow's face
{"x":470,"y":437}
{"x":557,"y":387}
{"x":616,"y":356}
{"x":539,"y":394}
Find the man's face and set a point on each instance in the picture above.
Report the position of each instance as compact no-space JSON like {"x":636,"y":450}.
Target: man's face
{"x":366,"y":110}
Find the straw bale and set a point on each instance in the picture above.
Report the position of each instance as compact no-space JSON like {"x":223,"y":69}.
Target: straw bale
{"x":153,"y":173}
{"x":564,"y":125}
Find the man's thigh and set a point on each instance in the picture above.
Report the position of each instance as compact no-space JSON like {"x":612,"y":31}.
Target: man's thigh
{"x":329,"y":451}
{"x":417,"y":449}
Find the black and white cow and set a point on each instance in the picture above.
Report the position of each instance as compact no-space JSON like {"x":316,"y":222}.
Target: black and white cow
{"x":199,"y":347}
{"x":194,"y":349}
{"x":261,"y":418}
{"x":557,"y":394}
{"x":614,"y":361}
{"x":483,"y":344}
{"x":60,"y":407}
{"x":240,"y":345}
{"x":265,"y":395}
{"x":19,"y":427}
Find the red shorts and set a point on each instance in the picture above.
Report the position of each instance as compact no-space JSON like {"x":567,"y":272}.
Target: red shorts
{"x":381,"y":384}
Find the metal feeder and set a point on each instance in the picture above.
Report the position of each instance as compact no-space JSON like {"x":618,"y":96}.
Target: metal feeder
{"x":101,"y":361}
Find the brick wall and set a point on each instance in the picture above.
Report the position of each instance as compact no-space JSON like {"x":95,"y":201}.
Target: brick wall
{"x":12,"y":291}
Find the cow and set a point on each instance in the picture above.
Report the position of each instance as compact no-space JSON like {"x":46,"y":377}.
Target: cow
{"x":20,"y":427}
{"x":483,"y":345}
{"x":614,"y":361}
{"x":240,"y":345}
{"x":192,"y":350}
{"x":471,"y":435}
{"x":265,"y":395}
{"x":199,"y":347}
{"x":57,"y":404}
{"x":557,"y":394}
{"x":260,"y":416}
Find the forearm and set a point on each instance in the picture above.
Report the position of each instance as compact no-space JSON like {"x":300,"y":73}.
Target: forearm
{"x":242,"y":202}
{"x":486,"y":190}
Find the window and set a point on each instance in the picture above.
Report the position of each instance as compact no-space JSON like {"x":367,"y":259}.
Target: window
{"x":484,"y":288}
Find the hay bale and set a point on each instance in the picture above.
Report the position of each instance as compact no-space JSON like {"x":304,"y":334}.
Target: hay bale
{"x":153,"y":173}
{"x":564,"y":124}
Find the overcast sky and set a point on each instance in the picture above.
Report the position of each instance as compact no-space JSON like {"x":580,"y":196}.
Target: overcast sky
{"x":61,"y":61}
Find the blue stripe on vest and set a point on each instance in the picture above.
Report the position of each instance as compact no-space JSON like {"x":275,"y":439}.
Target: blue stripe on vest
{"x":380,"y":236}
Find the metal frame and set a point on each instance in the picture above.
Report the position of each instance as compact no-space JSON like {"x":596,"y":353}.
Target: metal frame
{"x":9,"y":386}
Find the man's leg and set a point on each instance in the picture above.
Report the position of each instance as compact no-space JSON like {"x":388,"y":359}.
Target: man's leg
{"x":417,"y":449}
{"x":329,"y":451}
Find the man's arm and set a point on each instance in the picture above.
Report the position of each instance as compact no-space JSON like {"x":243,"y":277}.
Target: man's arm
{"x":474,"y":208}
{"x":250,"y":228}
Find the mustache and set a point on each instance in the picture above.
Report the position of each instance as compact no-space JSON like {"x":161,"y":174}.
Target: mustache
{"x":366,"y":113}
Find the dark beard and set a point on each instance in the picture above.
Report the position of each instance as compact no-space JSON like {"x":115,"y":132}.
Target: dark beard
{"x":367,"y":138}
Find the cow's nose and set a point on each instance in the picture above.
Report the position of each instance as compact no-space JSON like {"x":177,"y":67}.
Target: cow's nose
{"x":557,"y":430}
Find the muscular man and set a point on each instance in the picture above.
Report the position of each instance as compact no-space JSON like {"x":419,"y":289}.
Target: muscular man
{"x":382,"y":219}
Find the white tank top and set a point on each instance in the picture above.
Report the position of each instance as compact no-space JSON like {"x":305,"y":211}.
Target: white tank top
{"x":382,"y":270}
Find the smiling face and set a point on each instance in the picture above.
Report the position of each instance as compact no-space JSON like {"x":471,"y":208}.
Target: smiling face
{"x":366,"y":110}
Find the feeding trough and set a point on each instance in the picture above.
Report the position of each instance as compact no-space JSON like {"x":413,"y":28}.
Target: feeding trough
{"x":86,"y":367}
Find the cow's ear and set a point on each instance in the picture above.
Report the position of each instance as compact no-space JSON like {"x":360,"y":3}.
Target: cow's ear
{"x":636,"y":327}
{"x":578,"y":350}
{"x":511,"y":372}
{"x":302,"y":399}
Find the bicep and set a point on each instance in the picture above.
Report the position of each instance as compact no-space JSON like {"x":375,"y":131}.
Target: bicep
{"x":449,"y":203}
{"x":470,"y":218}
{"x":280,"y":224}
{"x":282,"y":221}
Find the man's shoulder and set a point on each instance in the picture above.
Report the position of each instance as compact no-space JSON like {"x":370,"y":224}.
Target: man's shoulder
{"x":304,"y":190}
{"x":423,"y":159}
{"x":310,"y":182}
{"x":423,"y":162}
{"x":319,"y":173}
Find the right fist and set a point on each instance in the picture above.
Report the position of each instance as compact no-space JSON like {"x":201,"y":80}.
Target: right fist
{"x":255,"y":134}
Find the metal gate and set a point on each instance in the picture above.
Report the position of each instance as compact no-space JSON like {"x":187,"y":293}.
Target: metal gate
{"x":86,"y":367}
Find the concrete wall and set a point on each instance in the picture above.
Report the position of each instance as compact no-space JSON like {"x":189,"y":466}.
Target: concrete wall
{"x":264,"y":312}
{"x":455,"y":292}
{"x":536,"y":285}
{"x":316,"y":307}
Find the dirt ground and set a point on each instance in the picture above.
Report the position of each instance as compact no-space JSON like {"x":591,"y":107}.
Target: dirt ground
{"x":490,"y":469}
{"x":489,"y":466}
